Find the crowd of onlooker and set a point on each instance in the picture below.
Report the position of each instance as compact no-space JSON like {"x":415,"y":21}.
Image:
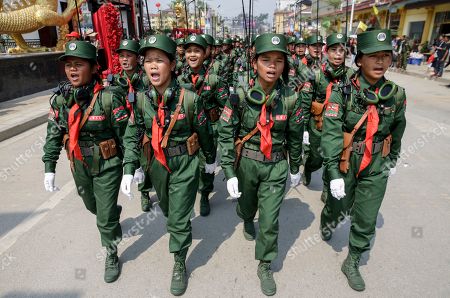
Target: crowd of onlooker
{"x":435,"y":54}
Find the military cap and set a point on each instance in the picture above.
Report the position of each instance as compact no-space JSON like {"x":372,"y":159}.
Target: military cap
{"x":271,"y":42}
{"x":209,"y":39}
{"x":160,"y":42}
{"x":218,"y":42}
{"x":300,"y":40}
{"x":313,"y":39}
{"x":291,"y":39}
{"x":197,"y":40}
{"x":336,"y":38}
{"x":129,"y":45}
{"x":374,"y":41}
{"x":80,"y":49}
{"x":227,"y":41}
{"x":180,"y":41}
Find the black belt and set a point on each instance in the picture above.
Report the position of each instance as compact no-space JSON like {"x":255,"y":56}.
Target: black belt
{"x":176,"y":150}
{"x":359,"y":147}
{"x":259,"y":156}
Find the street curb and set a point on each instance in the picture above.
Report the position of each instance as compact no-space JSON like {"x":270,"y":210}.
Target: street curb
{"x":18,"y":129}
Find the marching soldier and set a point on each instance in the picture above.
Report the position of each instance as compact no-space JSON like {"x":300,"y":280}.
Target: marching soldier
{"x":180,"y":59}
{"x":89,"y":122}
{"x":367,"y":115}
{"x":227,"y":61}
{"x":314,"y":101}
{"x":300,"y":50}
{"x":211,"y":65}
{"x":131,"y":80}
{"x":175,"y":126}
{"x":314,"y":56}
{"x":213,"y":93}
{"x":267,"y":121}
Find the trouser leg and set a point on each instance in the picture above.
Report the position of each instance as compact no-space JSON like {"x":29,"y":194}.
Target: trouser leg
{"x":270,"y":197}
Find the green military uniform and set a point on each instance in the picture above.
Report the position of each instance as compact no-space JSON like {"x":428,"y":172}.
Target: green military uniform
{"x":365,"y":189}
{"x":130,"y":85}
{"x":97,"y":178}
{"x":404,"y":49}
{"x":324,"y":76}
{"x":261,"y":180}
{"x":227,"y":63}
{"x":176,"y":186}
{"x":180,"y":60}
{"x":213,"y":93}
{"x":301,"y":59}
{"x":311,"y":62}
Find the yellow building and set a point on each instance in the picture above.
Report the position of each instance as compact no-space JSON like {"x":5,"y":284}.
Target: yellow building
{"x":425,"y":20}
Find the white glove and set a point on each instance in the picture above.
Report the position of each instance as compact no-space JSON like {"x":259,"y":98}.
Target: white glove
{"x":232,"y":187}
{"x":139,"y":176}
{"x":337,"y":188}
{"x":306,"y":138}
{"x":125,"y":185}
{"x":210,"y":168}
{"x":49,"y":182}
{"x":392,"y":171}
{"x":295,"y":179}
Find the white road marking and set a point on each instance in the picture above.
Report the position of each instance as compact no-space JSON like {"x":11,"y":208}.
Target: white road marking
{"x":12,"y":236}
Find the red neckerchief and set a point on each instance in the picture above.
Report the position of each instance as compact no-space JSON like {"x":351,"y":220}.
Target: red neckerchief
{"x":157,"y":134}
{"x":74,"y":127}
{"x":264,"y":127}
{"x":371,"y":130}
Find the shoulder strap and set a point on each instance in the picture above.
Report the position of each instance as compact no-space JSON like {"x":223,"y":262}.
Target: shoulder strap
{"x":199,"y":92}
{"x":173,"y":120}
{"x":140,"y":102}
{"x":290,"y":100}
{"x":88,"y":110}
{"x":249,"y":135}
{"x":189,"y":99}
{"x":360,"y":122}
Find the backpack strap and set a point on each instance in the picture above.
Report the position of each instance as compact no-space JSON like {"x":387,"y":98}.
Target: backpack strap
{"x":173,"y":120}
{"x":290,"y":98}
{"x":188,"y":102}
{"x":107,"y":98}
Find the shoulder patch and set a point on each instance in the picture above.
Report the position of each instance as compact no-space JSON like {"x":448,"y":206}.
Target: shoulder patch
{"x":332,"y":110}
{"x":226,"y":114}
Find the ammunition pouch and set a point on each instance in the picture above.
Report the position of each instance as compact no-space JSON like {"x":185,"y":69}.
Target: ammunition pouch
{"x":147,"y":150}
{"x":108,"y":148}
{"x":192,"y":144}
{"x":317,"y":111}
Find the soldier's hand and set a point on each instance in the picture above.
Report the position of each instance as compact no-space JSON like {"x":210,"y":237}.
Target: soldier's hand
{"x":295,"y":179}
{"x":125,"y":185}
{"x":139,"y":176}
{"x":210,"y":168}
{"x":232,"y":187}
{"x":337,"y":188}
{"x":306,"y":138}
{"x":49,"y":182}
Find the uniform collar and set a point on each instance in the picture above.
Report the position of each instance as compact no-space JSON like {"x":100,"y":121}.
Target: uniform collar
{"x":364,"y":84}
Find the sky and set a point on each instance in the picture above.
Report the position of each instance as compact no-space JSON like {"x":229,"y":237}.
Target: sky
{"x":228,"y":8}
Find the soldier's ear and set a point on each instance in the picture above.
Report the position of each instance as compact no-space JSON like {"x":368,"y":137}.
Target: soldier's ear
{"x":172,"y":65}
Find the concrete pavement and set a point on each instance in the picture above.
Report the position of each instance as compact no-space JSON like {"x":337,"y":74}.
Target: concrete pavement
{"x":24,"y":113}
